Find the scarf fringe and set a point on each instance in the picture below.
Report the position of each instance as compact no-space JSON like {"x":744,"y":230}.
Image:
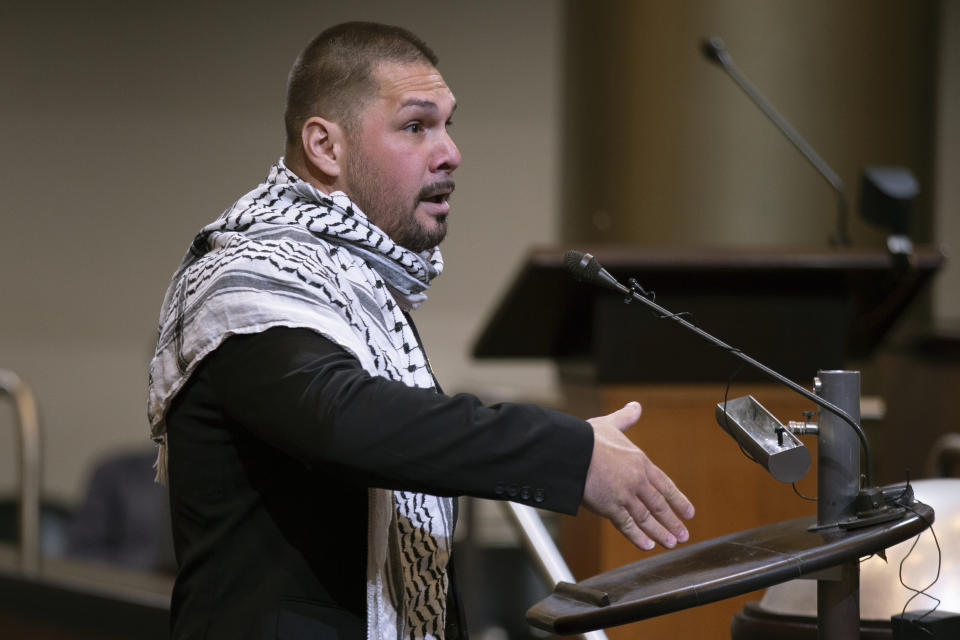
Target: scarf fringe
{"x":161,"y":464}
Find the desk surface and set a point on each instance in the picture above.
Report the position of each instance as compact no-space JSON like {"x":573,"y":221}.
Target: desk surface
{"x":719,"y":568}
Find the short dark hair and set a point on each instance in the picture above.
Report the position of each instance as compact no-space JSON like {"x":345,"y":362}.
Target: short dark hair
{"x":333,"y":76}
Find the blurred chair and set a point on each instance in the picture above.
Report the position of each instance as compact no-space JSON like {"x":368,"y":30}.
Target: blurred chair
{"x":943,"y":460}
{"x":124,"y":518}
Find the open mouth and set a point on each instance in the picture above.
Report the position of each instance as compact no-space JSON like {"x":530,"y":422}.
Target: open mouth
{"x":437,"y":193}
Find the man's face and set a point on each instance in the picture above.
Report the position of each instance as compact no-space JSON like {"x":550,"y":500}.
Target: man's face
{"x":400,"y":156}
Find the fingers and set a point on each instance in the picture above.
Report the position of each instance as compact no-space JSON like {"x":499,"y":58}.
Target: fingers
{"x":649,"y":511}
{"x":658,"y":512}
{"x":655,"y":509}
{"x":679,"y":503}
{"x":653,"y":530}
{"x":627,"y":525}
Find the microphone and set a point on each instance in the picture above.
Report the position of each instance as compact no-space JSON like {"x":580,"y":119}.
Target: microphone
{"x":713,"y":49}
{"x":716,"y":52}
{"x":585,"y":268}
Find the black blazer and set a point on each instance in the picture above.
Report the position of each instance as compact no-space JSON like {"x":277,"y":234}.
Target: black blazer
{"x":273,"y":443}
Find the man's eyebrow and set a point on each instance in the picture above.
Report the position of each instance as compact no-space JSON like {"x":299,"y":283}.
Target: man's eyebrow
{"x":419,"y":102}
{"x":425,"y":104}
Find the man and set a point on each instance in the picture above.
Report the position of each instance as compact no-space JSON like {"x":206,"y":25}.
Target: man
{"x":312,"y":458}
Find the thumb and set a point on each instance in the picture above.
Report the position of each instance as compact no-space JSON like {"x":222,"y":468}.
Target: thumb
{"x":626,"y":417}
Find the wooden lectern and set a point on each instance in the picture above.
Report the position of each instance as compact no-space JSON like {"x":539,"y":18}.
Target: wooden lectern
{"x":796,"y":311}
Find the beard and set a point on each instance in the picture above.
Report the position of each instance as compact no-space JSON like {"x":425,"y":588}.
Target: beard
{"x":390,"y":213}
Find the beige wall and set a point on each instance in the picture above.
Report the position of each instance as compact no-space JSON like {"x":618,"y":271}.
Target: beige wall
{"x":666,"y":149}
{"x":124,"y":127}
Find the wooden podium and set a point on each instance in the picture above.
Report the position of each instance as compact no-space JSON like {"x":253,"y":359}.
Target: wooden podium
{"x":796,"y":311}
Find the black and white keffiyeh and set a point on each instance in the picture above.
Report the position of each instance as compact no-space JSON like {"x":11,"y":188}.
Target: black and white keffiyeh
{"x":289,"y":255}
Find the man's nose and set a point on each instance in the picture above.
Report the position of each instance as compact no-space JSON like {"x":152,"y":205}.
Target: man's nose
{"x":448,"y":155}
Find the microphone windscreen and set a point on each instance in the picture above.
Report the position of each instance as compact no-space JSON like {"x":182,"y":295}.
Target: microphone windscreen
{"x":712,"y":48}
{"x":586,"y":268}
{"x":577,"y":263}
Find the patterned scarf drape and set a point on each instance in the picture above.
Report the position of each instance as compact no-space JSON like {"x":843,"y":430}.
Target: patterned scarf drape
{"x":288,"y":255}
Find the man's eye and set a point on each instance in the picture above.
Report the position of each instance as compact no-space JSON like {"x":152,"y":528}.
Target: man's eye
{"x":414,"y":127}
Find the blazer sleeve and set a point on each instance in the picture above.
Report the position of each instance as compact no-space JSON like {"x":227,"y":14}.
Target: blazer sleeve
{"x":302,"y":394}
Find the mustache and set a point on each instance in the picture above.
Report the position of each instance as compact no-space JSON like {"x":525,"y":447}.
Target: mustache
{"x":435,"y":189}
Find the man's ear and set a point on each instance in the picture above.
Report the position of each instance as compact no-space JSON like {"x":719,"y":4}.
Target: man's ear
{"x":323,"y":146}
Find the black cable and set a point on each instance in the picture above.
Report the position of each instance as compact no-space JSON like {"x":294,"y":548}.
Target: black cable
{"x":635,"y":287}
{"x":726,"y":393}
{"x":917,"y":592}
{"x":726,"y":424}
{"x":797,"y":491}
{"x":651,"y":295}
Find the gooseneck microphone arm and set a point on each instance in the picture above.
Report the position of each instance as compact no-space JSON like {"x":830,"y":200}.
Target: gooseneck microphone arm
{"x":715,"y":51}
{"x":585,"y":268}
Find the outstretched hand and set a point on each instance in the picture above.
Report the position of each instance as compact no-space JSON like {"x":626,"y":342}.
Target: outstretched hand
{"x":625,"y":487}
